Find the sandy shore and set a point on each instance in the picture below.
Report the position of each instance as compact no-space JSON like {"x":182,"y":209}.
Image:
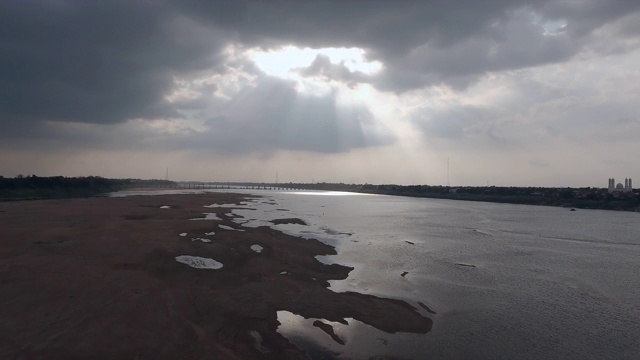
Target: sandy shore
{"x":98,"y":278}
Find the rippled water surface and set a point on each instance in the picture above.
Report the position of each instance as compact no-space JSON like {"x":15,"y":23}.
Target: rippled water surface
{"x":500,"y":281}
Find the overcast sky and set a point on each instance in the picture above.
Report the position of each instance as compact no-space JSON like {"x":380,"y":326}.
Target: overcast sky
{"x":526,"y":93}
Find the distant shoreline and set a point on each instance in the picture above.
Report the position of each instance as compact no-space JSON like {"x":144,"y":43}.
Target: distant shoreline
{"x":40,"y":188}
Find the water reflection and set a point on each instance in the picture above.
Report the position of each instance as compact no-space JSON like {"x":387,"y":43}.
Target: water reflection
{"x":326,"y":193}
{"x":361,"y":341}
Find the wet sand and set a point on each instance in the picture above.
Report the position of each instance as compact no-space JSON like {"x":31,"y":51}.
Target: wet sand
{"x":98,"y":278}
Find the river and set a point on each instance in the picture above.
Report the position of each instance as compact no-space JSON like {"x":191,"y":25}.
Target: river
{"x":500,"y":281}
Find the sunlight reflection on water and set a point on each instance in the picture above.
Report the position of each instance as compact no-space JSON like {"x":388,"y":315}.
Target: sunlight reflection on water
{"x":326,"y":193}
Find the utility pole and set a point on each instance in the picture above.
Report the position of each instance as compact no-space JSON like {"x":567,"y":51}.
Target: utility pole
{"x":448,"y":184}
{"x":167,"y":174}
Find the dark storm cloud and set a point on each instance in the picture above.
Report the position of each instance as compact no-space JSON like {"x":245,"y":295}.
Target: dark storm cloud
{"x":95,"y":61}
{"x":387,"y":28}
{"x":428,"y":42}
{"x":517,"y":43}
{"x":105,"y":62}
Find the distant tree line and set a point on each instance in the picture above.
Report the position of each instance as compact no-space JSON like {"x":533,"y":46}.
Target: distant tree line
{"x":36,"y":187}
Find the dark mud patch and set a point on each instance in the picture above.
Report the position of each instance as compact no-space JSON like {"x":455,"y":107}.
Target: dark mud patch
{"x":466,"y":265}
{"x":289,"y":221}
{"x":329,"y":330}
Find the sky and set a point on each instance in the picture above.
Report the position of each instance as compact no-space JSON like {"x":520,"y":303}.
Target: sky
{"x":459,"y":92}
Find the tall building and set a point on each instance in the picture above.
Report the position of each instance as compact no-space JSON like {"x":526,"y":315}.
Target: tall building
{"x":619,"y":188}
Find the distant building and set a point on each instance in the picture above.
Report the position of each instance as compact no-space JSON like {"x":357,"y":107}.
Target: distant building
{"x":619,"y":188}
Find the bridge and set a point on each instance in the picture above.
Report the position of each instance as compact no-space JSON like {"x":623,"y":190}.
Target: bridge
{"x":235,"y":185}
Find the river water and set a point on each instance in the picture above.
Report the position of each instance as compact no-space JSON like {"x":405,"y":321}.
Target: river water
{"x":503,"y":281}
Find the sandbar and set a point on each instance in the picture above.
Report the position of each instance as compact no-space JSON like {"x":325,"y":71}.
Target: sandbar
{"x":98,"y":278}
